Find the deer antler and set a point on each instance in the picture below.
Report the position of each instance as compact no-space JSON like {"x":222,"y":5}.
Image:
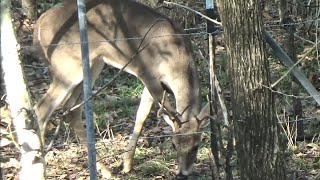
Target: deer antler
{"x":172,"y":113}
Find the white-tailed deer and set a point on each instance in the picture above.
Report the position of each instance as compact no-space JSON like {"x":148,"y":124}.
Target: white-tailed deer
{"x":116,"y":30}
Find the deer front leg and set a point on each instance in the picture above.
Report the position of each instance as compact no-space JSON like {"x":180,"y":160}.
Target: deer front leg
{"x":77,"y":126}
{"x":74,"y":118}
{"x":142,"y":114}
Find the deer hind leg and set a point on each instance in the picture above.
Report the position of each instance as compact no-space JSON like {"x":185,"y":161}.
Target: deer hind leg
{"x":143,"y":111}
{"x":74,"y":118}
{"x":54,"y":97}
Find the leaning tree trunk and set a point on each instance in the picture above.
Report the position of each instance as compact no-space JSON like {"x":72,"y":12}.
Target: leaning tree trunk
{"x":32,"y":160}
{"x":258,"y":143}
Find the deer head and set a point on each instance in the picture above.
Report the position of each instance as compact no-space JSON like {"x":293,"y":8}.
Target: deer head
{"x":187,"y":138}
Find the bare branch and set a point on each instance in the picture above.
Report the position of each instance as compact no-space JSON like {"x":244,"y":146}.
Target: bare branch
{"x":290,"y":69}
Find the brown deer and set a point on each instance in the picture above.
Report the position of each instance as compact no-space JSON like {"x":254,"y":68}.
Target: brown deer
{"x":116,"y":30}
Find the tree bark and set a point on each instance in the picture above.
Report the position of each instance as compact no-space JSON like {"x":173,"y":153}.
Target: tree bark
{"x":283,"y":11}
{"x":258,"y":145}
{"x":29,"y":8}
{"x":290,"y":47}
{"x":32,"y":158}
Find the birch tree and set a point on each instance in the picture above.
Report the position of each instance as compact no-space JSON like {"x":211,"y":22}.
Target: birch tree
{"x":32,"y":158}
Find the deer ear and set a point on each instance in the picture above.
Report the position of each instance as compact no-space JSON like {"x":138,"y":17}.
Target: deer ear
{"x":204,"y":115}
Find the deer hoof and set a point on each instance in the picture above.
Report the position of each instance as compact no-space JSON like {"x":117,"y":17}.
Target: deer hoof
{"x":105,"y":172}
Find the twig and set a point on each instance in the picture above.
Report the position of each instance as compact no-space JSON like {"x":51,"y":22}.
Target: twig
{"x":197,"y":12}
{"x":54,"y":136}
{"x":160,"y":111}
{"x":35,"y":67}
{"x":290,"y":69}
{"x":284,"y":94}
{"x":295,"y":35}
{"x":222,"y":102}
{"x":11,"y":136}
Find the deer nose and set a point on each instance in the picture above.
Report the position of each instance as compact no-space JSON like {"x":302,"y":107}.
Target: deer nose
{"x":180,"y":176}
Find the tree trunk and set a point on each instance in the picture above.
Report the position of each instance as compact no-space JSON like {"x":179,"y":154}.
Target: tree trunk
{"x":32,"y":159}
{"x":283,"y":10}
{"x":29,"y":8}
{"x":258,"y":145}
{"x":290,"y":47}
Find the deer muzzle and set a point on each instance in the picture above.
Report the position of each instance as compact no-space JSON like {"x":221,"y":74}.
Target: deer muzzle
{"x":184,"y":167}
